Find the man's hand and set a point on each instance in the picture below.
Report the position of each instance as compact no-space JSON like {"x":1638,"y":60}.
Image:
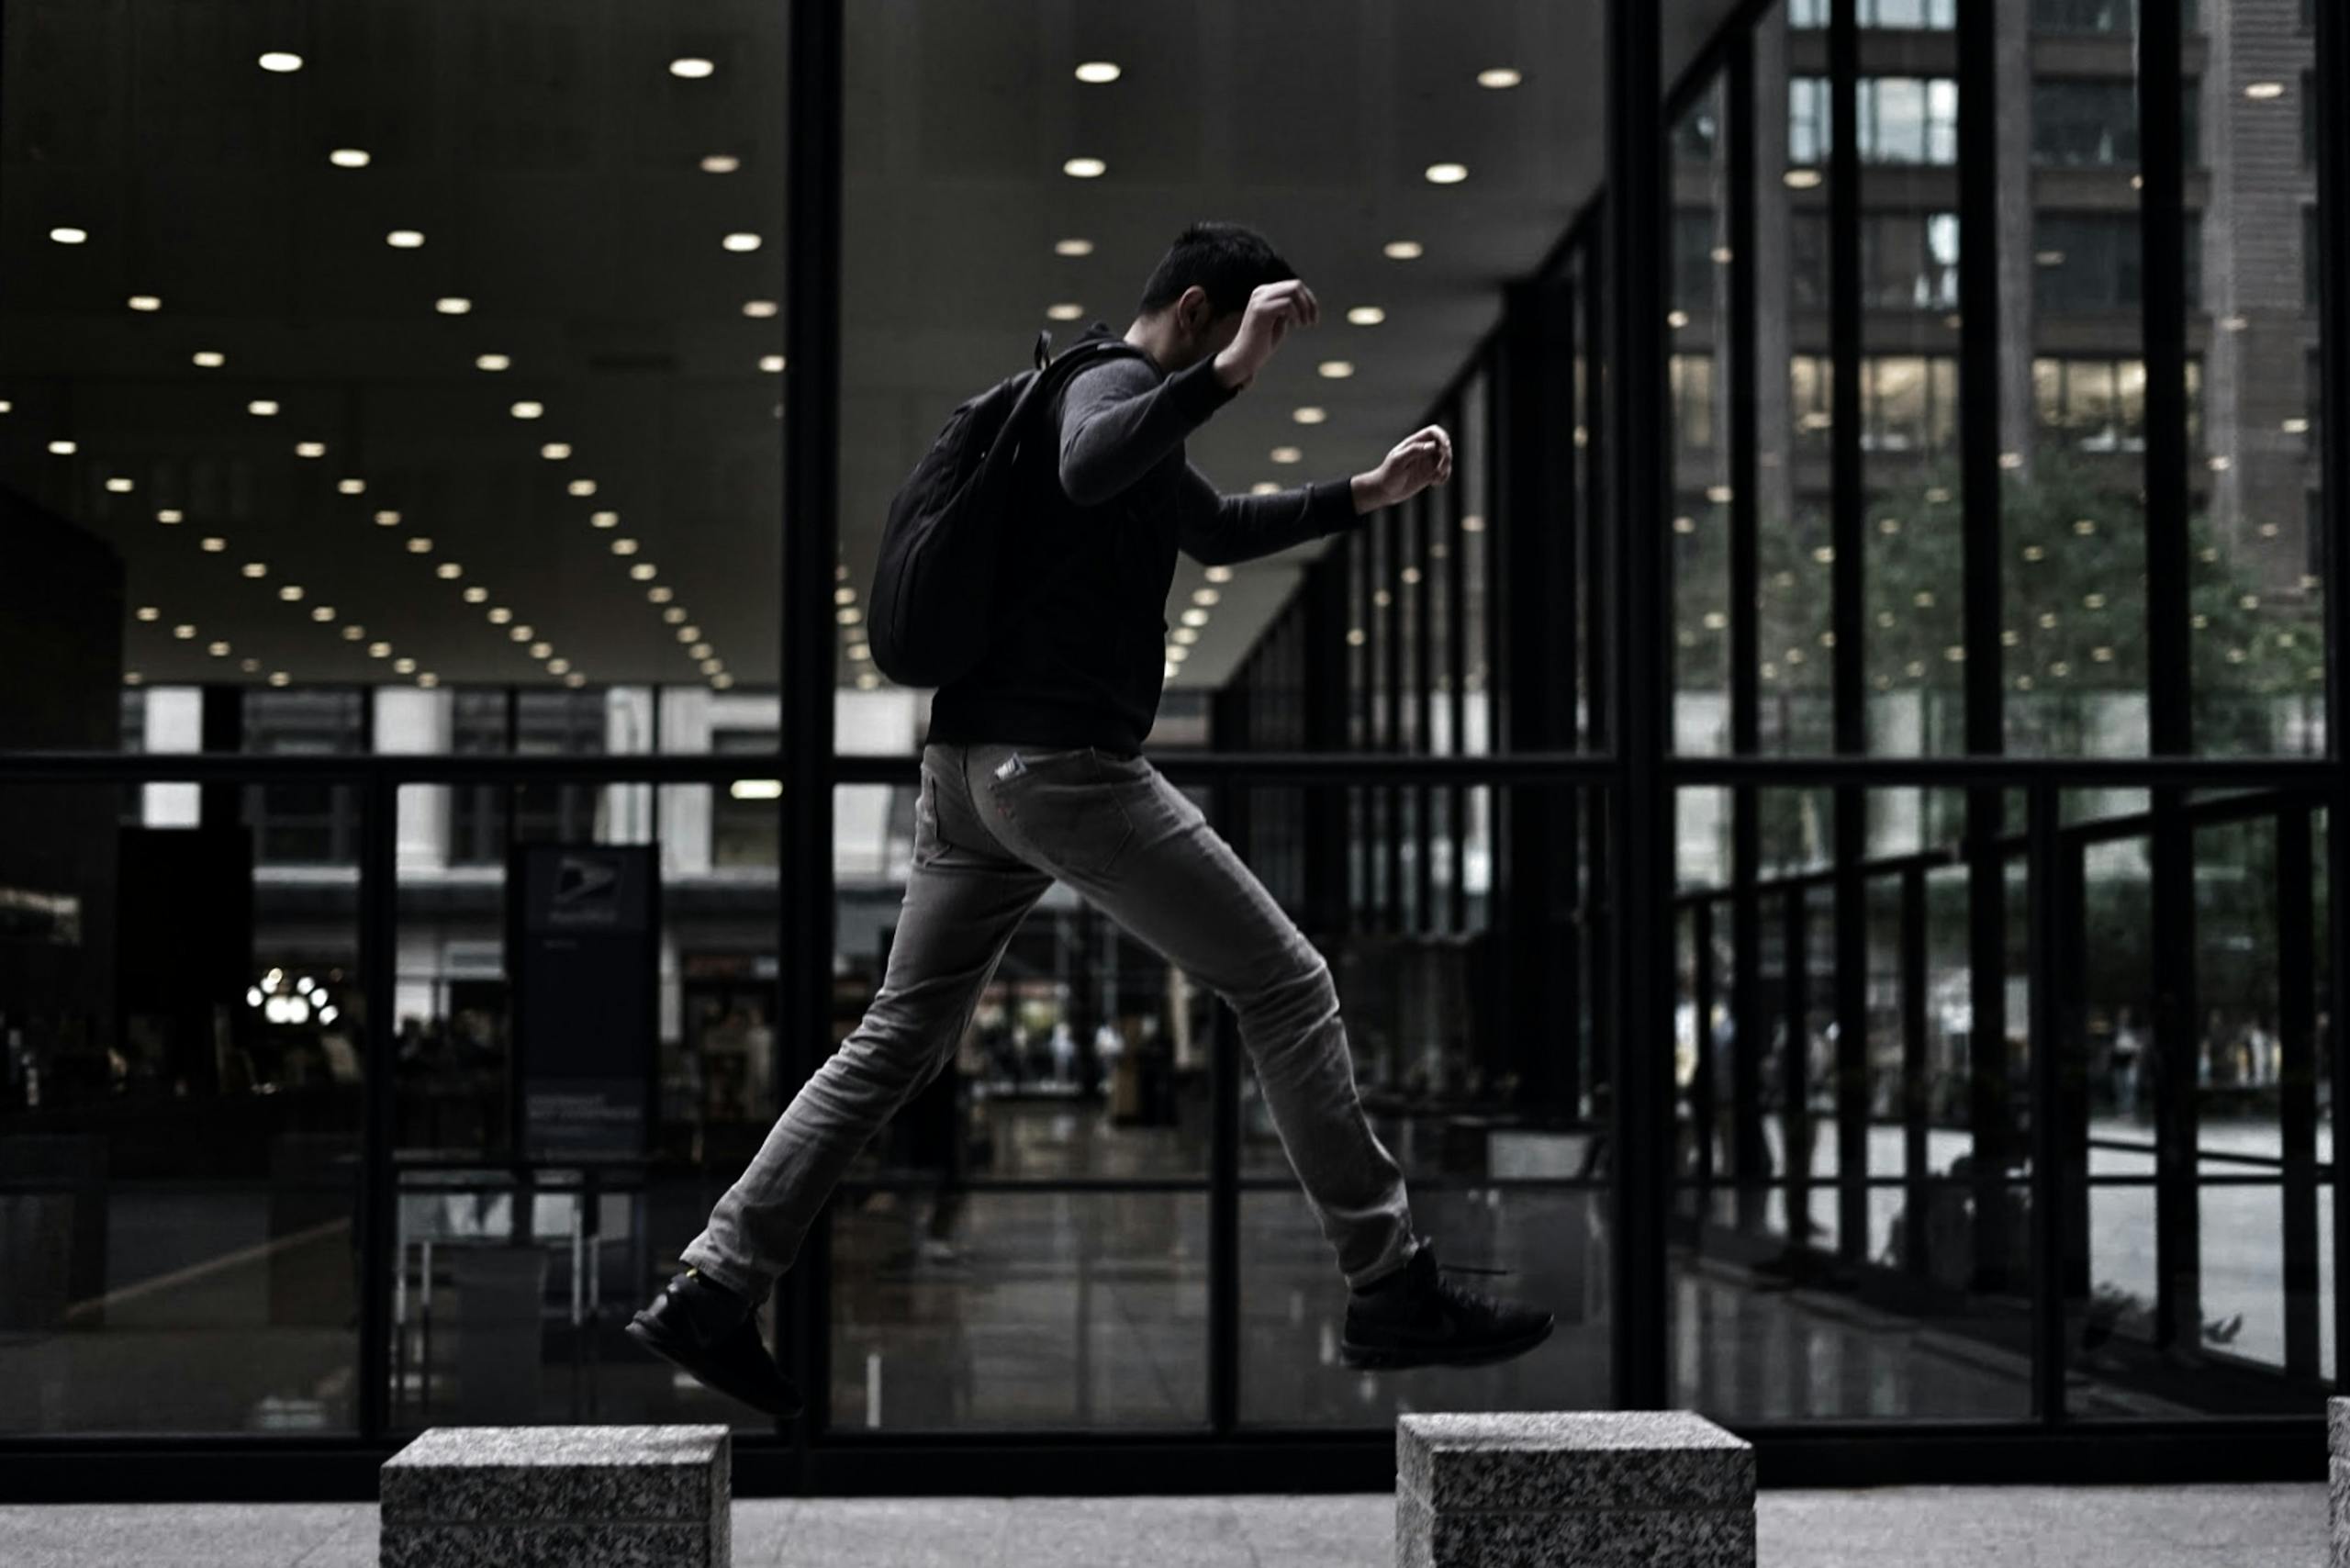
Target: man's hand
{"x":1273,"y":309}
{"x":1420,"y":460}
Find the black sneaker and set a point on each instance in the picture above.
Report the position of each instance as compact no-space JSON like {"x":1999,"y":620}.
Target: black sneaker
{"x":1416,"y":1318}
{"x":714,"y":1335}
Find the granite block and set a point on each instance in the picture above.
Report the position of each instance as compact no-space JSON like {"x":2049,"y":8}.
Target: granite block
{"x":1596,"y":1537}
{"x":2337,"y":1510}
{"x":1553,"y":1461}
{"x":549,"y":1546}
{"x":2337,"y":1427}
{"x":506,"y":1475}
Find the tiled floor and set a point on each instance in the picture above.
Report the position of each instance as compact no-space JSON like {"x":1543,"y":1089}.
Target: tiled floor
{"x":2171,"y":1527}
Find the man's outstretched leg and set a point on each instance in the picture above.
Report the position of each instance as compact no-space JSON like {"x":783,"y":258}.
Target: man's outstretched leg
{"x":963,"y":903}
{"x":1114,"y":829}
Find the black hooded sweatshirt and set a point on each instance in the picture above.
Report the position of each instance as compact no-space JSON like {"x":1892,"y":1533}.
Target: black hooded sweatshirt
{"x":1080,"y":651}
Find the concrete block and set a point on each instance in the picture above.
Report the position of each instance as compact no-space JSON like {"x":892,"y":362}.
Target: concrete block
{"x":576,"y":1496}
{"x":1603,"y":1489}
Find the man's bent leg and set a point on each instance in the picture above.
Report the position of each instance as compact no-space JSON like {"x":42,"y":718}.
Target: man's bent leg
{"x":961,"y":907}
{"x":1167,"y":877}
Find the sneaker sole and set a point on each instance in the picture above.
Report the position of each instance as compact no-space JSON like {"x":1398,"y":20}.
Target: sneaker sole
{"x":664,"y":1346}
{"x":1397,"y":1357}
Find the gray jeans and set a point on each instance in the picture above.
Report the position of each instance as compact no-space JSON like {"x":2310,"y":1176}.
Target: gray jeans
{"x":994,"y":827}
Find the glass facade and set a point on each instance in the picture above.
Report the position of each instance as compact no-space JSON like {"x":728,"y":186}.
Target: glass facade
{"x":418,"y":509}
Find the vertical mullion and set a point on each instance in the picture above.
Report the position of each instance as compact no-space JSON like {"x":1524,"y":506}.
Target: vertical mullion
{"x":379,"y":934}
{"x":1745,"y":569}
{"x":814,"y":107}
{"x":1456,"y":583}
{"x":2334,"y":368}
{"x":1424,"y":703}
{"x":1978,"y":371}
{"x":1916,"y":1104}
{"x":1641,"y":858}
{"x":2048,"y":1054}
{"x":1703,"y":1093}
{"x":2297,"y":1102}
{"x":2163,"y":229}
{"x":1847,"y":499}
{"x":1224,"y":1211}
{"x":1794,"y":1061}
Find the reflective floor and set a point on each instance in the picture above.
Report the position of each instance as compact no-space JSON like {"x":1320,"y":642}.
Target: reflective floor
{"x":2173,"y":1527}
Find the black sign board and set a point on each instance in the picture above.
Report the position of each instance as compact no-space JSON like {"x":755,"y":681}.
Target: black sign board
{"x":585,"y":941}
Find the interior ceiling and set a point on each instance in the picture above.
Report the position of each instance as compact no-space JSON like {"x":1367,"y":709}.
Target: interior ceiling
{"x":552,"y":162}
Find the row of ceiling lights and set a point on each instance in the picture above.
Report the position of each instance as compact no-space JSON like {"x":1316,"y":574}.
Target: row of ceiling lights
{"x":700,"y":649}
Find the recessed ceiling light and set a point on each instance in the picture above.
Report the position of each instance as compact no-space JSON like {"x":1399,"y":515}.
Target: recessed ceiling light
{"x":1472,"y":524}
{"x":1177,"y":654}
{"x":255,"y":568}
{"x":1065,"y":312}
{"x":662,"y":595}
{"x":149,"y":613}
{"x":279,"y":677}
{"x":2263,"y":90}
{"x":405,"y":664}
{"x":378,"y":650}
{"x":1335,"y":369}
{"x":1366,"y":316}
{"x":1096,"y":72}
{"x":1447,"y":173}
{"x":710,"y":665}
{"x":1309,"y":415}
{"x":477,"y":595}
{"x":322,"y":614}
{"x":1196,"y":616}
{"x":184,"y":632}
{"x":265,"y":408}
{"x":772,"y":363}
{"x":119,"y":485}
{"x":527,"y":409}
{"x":542,"y":650}
{"x":348,"y":158}
{"x":558,"y":667}
{"x":492,"y":362}
{"x":1402,"y":250}
{"x":1218,"y":574}
{"x":281,"y":61}
{"x":1676,"y":320}
{"x":1205,"y":596}
{"x":351,"y":486}
{"x":741,"y":241}
{"x":1264,"y":488}
{"x":213,"y":543}
{"x":644,"y":571}
{"x":759,"y":309}
{"x":623,"y":546}
{"x":1802,"y":179}
{"x":453,"y":305}
{"x":309,"y":449}
{"x":521,"y":634}
{"x":1085,"y":168}
{"x":691,"y":67}
{"x":720,"y":164}
{"x":1286,"y":454}
{"x":144,"y":302}
{"x":387,"y":519}
{"x":64,"y":234}
{"x":250,"y":665}
{"x":1498,"y":76}
{"x":582,"y":486}
{"x":63,"y":448}
{"x":605,"y":519}
{"x":405,"y":239}
{"x":689,"y":633}
{"x":291,"y":593}
{"x":676,"y":614}
{"x":501,"y":616}
{"x":449,"y":571}
{"x":131,"y":678}
{"x":556,"y":450}
{"x":353,"y":633}
{"x":218,"y":650}
{"x":169,"y":514}
{"x":210,"y":359}
{"x":1187,"y":635}
{"x":1072,"y":247}
{"x":6,"y":406}
{"x":421,"y":544}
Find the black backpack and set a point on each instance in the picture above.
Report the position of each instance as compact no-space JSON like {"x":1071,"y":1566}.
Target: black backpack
{"x":932,"y":610}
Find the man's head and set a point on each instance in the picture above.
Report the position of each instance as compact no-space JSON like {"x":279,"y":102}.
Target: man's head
{"x":1192,"y":305}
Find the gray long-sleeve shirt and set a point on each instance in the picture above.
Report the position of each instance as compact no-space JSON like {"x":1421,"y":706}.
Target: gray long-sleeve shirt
{"x":1091,"y":557}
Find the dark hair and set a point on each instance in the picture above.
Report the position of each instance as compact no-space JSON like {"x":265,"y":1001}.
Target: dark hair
{"x":1229,"y":261}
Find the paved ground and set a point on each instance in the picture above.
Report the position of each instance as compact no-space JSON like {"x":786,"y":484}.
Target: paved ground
{"x":2172,"y":1527}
